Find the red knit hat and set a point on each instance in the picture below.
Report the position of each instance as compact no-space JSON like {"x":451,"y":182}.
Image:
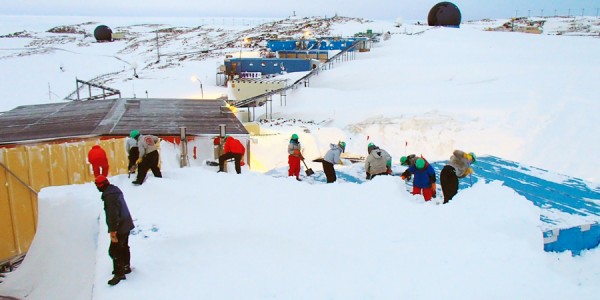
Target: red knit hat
{"x":101,"y":180}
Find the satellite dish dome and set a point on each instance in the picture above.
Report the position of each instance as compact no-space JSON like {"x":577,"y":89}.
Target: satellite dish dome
{"x":103,"y":33}
{"x":444,"y":14}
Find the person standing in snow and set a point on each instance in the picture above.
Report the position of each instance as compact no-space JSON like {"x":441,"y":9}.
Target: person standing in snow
{"x":97,"y":158}
{"x":120,"y":224}
{"x":294,"y":157}
{"x":133,"y":153}
{"x":459,"y":166}
{"x":149,"y":157}
{"x":378,"y":162}
{"x":233,"y":148}
{"x":332,"y":157}
{"x":424,"y":178}
{"x":410,"y":161}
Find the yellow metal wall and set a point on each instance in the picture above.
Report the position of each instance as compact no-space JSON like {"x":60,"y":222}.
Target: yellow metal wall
{"x":39,"y":166}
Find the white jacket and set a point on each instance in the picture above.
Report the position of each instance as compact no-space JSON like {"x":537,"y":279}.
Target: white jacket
{"x":147,"y":144}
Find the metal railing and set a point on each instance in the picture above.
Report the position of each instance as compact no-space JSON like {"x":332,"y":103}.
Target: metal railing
{"x":76,"y":91}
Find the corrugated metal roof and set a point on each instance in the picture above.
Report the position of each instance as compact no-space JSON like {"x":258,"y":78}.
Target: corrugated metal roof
{"x":161,"y":117}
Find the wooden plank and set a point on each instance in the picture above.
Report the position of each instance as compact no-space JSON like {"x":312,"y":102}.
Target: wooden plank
{"x":39,"y":172}
{"x":77,"y":167}
{"x":20,"y":198}
{"x":117,"y":155}
{"x":58,"y":165}
{"x":8,"y":247}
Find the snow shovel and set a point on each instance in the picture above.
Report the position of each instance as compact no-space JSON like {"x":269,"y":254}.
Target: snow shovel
{"x":212,"y":163}
{"x":309,"y":171}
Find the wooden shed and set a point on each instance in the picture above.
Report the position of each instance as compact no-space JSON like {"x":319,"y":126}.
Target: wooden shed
{"x":47,"y":145}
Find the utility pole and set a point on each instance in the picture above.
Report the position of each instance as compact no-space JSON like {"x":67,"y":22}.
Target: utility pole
{"x":157,"y":49}
{"x":542,"y":13}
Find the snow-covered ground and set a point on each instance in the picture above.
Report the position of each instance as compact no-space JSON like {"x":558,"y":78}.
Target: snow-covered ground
{"x":202,"y":235}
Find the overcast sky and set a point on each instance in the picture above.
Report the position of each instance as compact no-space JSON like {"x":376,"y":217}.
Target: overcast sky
{"x":375,"y":9}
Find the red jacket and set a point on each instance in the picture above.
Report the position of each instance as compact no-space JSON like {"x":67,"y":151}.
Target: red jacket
{"x":233,"y":145}
{"x":97,"y":156}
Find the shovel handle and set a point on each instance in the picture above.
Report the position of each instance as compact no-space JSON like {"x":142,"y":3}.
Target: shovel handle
{"x":304,"y":163}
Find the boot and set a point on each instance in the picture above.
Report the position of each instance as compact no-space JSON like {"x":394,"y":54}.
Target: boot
{"x":116,"y":279}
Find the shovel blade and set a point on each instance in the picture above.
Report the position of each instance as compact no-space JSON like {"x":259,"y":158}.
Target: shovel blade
{"x":309,"y":172}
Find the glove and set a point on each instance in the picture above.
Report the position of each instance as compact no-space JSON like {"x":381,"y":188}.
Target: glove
{"x":113,"y":237}
{"x":297,"y":152}
{"x":138,"y":161}
{"x":468,"y":171}
{"x":403,"y":177}
{"x":433,"y":190}
{"x":389,"y":171}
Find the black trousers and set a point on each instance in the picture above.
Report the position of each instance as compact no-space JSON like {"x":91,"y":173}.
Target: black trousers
{"x":236,"y":156}
{"x":149,"y":162}
{"x":119,"y":252}
{"x":134,"y":154}
{"x":329,"y":171}
{"x":449,"y":182}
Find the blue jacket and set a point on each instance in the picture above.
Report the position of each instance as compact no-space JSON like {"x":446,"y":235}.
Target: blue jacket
{"x":118,"y":217}
{"x":423,"y":178}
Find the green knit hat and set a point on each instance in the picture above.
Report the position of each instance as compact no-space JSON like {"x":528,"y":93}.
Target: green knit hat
{"x":420,"y":163}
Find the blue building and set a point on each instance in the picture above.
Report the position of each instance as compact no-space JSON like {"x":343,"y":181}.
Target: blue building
{"x":318,"y":44}
{"x":256,"y":67}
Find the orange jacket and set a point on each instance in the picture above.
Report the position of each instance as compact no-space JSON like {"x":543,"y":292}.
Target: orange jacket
{"x":97,"y":156}
{"x":234,"y":146}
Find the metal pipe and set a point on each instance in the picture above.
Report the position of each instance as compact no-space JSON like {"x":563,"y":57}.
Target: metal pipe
{"x":183,"y":160}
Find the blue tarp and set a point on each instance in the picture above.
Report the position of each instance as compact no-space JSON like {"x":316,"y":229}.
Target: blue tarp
{"x":571,"y":195}
{"x":574,"y":239}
